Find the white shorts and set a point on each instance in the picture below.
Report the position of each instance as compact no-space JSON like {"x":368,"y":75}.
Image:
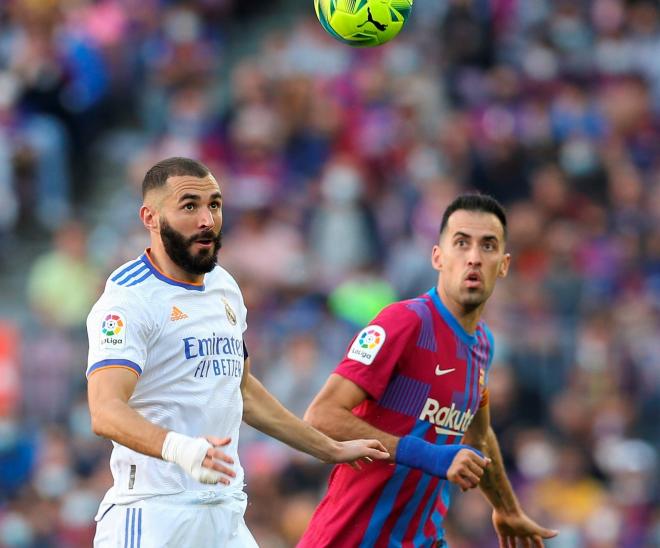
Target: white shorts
{"x":158,"y":522}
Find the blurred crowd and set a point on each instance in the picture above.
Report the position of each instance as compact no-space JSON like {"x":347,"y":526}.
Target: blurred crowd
{"x":336,"y":165}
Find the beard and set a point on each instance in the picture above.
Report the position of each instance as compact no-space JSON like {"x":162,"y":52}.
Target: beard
{"x":471,"y":299}
{"x":177,"y":246}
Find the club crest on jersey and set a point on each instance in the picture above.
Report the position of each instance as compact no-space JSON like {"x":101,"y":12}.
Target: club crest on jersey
{"x":367,"y":344}
{"x":113,"y":330}
{"x":231,"y":316}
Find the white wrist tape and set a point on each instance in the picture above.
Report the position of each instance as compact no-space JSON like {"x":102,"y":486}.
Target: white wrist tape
{"x":189,"y":453}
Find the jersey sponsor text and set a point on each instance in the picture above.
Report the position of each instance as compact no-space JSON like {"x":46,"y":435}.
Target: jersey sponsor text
{"x":214,"y":345}
{"x":447,"y":420}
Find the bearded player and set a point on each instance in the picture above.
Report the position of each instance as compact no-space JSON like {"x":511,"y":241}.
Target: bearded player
{"x":169,"y":379}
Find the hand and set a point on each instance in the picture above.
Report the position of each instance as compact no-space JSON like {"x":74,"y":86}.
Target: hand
{"x":461,"y":464}
{"x":356,"y":451}
{"x":215,"y":458}
{"x":467,"y":468}
{"x":199,"y":457}
{"x":519,"y":528}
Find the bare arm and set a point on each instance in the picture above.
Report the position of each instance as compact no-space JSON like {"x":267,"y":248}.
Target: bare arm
{"x":262,"y":411}
{"x":108,"y":392}
{"x":331,"y":412}
{"x":509,"y":520}
{"x":494,"y":483}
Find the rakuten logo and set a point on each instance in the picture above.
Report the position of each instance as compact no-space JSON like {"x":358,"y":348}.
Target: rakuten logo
{"x":447,"y":420}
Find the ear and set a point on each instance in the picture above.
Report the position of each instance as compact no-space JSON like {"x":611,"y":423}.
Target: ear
{"x":149,"y":217}
{"x":504,"y":266}
{"x":436,"y":258}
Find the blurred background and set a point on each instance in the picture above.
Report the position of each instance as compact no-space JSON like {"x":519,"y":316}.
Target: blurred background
{"x":336,"y":165}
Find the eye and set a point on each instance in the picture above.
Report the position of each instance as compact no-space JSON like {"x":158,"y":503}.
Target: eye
{"x":189,"y":206}
{"x":215,"y":205}
{"x":461,"y":243}
{"x":489,"y":246}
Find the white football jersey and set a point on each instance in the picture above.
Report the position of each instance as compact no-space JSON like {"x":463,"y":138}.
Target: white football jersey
{"x":185,"y":343}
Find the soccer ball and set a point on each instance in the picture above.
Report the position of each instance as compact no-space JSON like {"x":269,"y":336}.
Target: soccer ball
{"x":363,"y":23}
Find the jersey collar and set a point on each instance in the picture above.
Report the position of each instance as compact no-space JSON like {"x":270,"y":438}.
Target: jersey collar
{"x":146,"y":259}
{"x":456,"y":327}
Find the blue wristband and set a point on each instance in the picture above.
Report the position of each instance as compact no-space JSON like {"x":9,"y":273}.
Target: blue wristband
{"x":432,"y":459}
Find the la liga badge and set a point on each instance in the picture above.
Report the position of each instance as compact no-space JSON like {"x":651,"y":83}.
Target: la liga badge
{"x":367,"y":344}
{"x":113,"y":330}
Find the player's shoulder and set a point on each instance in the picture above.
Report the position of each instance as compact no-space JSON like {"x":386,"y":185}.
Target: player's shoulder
{"x":128,"y":284}
{"x":482,"y":327}
{"x":400,"y":312}
{"x":129,"y":275}
{"x":414,"y":307}
{"x":486,"y":335}
{"x":222,"y":278}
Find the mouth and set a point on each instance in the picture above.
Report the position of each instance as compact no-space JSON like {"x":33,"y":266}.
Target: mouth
{"x":204,"y":243}
{"x":473,"y":279}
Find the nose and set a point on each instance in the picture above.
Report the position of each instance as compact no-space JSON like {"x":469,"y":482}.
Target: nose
{"x":206,"y":219}
{"x":474,"y":256}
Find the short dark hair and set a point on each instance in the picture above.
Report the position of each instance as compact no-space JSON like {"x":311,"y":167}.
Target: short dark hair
{"x":176,"y":166}
{"x":475,"y":202}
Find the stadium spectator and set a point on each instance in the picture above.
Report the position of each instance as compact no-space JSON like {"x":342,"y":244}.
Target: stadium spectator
{"x":553,"y":106}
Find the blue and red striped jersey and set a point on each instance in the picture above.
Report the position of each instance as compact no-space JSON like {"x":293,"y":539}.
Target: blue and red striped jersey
{"x":425,"y":376}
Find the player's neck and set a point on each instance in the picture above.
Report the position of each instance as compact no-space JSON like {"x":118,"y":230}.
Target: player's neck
{"x":468,"y":318}
{"x":161,"y":260}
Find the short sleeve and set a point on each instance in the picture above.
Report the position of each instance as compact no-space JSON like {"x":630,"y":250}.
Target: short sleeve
{"x":483,"y":378}
{"x":118,"y":329}
{"x":373,"y":354}
{"x":238,"y":295}
{"x":243,"y":316}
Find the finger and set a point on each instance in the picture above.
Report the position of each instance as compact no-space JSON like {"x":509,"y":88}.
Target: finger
{"x":502,"y":541}
{"x":216,"y":454}
{"x":376,"y":454}
{"x":511,"y":542}
{"x":218,"y":467}
{"x":214,"y":464}
{"x":375,"y":444}
{"x":474,"y":457}
{"x":223,"y":480}
{"x":465,"y":484}
{"x":217,"y":479}
{"x":462,"y":477}
{"x":475,"y":468}
{"x":547,"y":533}
{"x":537,"y":541}
{"x":469,"y":476}
{"x":218,"y":442}
{"x":527,"y":542}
